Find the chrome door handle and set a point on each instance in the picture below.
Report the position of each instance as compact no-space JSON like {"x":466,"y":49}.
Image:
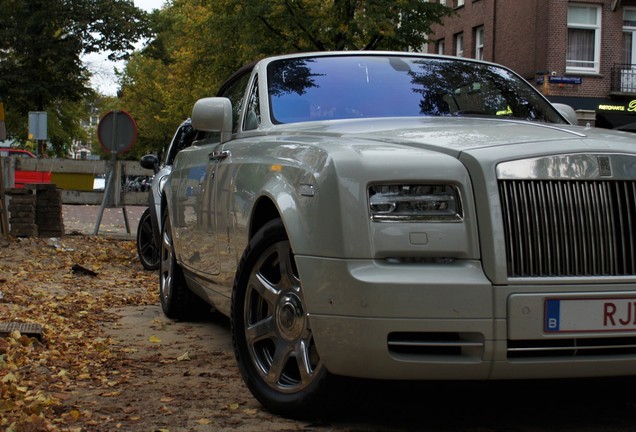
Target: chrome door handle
{"x":219,"y":155}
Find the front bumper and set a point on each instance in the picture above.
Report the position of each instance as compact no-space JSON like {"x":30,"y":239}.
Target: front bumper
{"x":444,"y":321}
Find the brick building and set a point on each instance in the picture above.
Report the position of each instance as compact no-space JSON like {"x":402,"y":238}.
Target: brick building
{"x":579,"y":52}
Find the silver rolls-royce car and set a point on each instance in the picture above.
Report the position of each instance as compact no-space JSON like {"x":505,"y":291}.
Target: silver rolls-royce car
{"x":401,"y":216}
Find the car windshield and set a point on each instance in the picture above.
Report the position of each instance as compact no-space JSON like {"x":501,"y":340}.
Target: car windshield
{"x":344,"y":87}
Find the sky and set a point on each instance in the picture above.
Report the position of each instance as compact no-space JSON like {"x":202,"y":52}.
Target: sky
{"x":103,"y":70}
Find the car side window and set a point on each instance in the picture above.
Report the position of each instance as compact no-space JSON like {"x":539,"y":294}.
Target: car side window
{"x":253,"y":112}
{"x":184,"y":138}
{"x":235,"y":91}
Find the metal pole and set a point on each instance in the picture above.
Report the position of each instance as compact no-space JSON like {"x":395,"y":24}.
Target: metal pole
{"x":113,"y":146}
{"x":105,"y":199}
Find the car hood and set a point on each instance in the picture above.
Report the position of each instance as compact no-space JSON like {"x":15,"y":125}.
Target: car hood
{"x":458,"y":135}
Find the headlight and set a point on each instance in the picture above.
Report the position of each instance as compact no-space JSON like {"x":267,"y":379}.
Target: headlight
{"x":414,"y":203}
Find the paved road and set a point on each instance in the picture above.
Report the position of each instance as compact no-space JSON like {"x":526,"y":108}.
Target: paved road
{"x":83,"y":219}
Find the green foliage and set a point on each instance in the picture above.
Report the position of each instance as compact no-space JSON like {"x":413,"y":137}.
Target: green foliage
{"x":64,"y":127}
{"x":161,"y":83}
{"x":144,"y":97}
{"x":41,"y":44}
{"x":317,"y":25}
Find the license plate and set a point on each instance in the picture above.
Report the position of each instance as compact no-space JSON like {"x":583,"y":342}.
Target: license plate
{"x":590,"y":315}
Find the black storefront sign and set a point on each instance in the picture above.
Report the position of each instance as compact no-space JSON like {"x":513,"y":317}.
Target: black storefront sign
{"x":617,"y":115}
{"x":609,"y":113}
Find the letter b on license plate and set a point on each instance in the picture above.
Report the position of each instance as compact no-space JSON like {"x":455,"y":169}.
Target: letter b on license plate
{"x":590,"y":315}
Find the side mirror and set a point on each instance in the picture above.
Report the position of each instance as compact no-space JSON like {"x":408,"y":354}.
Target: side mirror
{"x":568,"y":112}
{"x":213,"y":114}
{"x":150,"y":161}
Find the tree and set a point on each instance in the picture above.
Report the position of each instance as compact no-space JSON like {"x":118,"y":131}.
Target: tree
{"x":160,"y":84}
{"x":41,"y":44}
{"x":317,"y":25}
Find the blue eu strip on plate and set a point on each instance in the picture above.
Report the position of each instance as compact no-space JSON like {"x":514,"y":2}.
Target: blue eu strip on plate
{"x":552,"y":313}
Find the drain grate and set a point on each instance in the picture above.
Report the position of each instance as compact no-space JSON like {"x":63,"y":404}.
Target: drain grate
{"x":29,"y":329}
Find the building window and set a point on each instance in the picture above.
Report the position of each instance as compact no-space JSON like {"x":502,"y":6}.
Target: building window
{"x":460,"y":3}
{"x":584,"y":38}
{"x":629,"y":36}
{"x":442,"y":2}
{"x":628,"y":69}
{"x":479,"y":43}
{"x":440,"y":47}
{"x":459,"y":45}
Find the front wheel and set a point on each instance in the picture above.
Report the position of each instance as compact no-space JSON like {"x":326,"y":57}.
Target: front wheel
{"x":273,"y":340}
{"x":146,"y":245}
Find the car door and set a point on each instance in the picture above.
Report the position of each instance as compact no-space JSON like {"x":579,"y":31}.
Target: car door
{"x":234,"y":197}
{"x":212,"y":234}
{"x":192,"y":221}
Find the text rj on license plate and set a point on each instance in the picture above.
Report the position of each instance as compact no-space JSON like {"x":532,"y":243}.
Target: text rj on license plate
{"x":590,"y":315}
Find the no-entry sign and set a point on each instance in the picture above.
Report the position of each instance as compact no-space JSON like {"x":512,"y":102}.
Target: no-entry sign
{"x":117,"y":131}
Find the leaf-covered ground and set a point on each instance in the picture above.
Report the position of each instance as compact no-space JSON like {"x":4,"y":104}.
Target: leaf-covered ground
{"x":38,"y":285}
{"x":107,"y":359}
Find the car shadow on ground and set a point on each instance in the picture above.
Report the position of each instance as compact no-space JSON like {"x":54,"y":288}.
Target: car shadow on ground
{"x":599,"y":404}
{"x":582,"y":405}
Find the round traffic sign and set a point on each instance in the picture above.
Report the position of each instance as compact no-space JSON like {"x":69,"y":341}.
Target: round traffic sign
{"x":117,"y":131}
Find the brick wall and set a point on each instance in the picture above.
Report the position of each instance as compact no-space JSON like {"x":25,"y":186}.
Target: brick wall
{"x":515,"y":34}
{"x":593,"y":85}
{"x":35,"y":210}
{"x":530,"y":36}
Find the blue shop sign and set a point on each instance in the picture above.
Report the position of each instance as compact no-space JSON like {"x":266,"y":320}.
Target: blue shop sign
{"x":565,"y":80}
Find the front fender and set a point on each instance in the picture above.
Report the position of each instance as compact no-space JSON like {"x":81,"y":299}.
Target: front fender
{"x":290,"y":179}
{"x":308,"y":210}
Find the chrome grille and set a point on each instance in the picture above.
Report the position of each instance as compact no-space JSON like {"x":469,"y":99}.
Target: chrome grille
{"x":569,"y":228}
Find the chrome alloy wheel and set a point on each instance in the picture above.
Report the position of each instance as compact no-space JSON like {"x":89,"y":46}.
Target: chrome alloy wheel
{"x":277,"y":330}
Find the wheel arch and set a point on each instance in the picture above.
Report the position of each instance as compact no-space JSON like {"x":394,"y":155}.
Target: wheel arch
{"x":163,"y":206}
{"x":280,"y":203}
{"x":264,"y":211}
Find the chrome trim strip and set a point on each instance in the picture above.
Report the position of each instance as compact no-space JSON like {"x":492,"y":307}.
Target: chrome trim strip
{"x":571,"y":348}
{"x":437,"y":344}
{"x":595,"y":166}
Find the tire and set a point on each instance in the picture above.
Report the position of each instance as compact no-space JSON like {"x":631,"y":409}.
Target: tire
{"x":146,"y":245}
{"x":272,"y":336}
{"x":177,"y":301}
